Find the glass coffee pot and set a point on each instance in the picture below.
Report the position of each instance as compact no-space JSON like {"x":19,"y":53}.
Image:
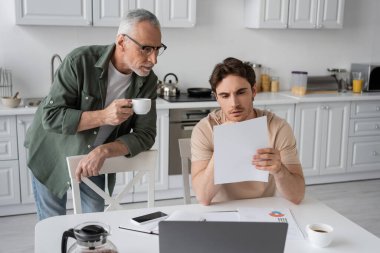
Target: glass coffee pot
{"x":91,"y":237}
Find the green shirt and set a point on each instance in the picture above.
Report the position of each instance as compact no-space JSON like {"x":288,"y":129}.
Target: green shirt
{"x":80,"y":85}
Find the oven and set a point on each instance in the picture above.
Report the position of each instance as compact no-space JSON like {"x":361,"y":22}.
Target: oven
{"x":181,"y":124}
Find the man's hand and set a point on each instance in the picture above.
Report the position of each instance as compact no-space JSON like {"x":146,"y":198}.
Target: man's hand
{"x":90,"y":165}
{"x":267,"y":159}
{"x":117,"y":112}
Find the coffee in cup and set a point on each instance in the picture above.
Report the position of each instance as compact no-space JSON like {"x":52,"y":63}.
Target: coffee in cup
{"x":141,"y":105}
{"x":320,"y":235}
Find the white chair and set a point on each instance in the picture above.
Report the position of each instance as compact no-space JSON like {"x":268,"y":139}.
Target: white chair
{"x":143,"y":163}
{"x":185,"y":153}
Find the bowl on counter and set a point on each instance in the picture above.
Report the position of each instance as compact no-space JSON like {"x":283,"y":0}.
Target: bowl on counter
{"x":11,"y":102}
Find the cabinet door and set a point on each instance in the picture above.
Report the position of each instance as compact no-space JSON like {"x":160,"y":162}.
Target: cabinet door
{"x":307,"y":128}
{"x":23,"y":123}
{"x":178,"y":13}
{"x":303,"y":13}
{"x":334,"y":138}
{"x":8,"y":138}
{"x":9,"y":183}
{"x":150,"y":5}
{"x":54,"y":12}
{"x":109,"y":12}
{"x":330,"y":14}
{"x":283,"y":111}
{"x":266,"y":13}
{"x":162,"y":145}
{"x":364,"y":154}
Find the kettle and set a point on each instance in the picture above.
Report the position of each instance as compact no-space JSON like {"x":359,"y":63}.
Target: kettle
{"x":168,"y":88}
{"x":90,"y":236}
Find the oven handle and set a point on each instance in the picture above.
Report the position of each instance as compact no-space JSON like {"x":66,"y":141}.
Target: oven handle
{"x":203,"y":113}
{"x":187,"y":127}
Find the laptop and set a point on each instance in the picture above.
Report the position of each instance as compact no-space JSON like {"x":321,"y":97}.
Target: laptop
{"x":221,"y":237}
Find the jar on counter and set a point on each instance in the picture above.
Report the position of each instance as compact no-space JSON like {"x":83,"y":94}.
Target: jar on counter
{"x":265,"y":80}
{"x":274,"y":84}
{"x":257,"y":68}
{"x":299,"y":82}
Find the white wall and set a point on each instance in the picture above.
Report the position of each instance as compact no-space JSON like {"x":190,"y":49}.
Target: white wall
{"x":193,"y":52}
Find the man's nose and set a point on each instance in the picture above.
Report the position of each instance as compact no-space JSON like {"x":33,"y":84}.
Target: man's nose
{"x":234,"y":101}
{"x":153,"y":58}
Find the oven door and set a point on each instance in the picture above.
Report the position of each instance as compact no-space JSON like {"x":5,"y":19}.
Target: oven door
{"x":181,"y":124}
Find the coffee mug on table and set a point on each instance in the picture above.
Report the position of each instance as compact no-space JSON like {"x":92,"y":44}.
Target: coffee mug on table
{"x":141,"y":105}
{"x":320,"y":235}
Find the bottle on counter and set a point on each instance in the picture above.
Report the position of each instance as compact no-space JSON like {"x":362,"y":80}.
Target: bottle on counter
{"x":265,"y":80}
{"x":274,"y":84}
{"x":257,"y":68}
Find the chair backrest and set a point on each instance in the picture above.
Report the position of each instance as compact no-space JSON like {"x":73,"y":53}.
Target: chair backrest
{"x":185,"y":153}
{"x":143,"y":163}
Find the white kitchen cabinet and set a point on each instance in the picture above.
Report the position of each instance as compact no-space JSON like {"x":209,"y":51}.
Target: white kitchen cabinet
{"x":299,"y":14}
{"x":9,"y":183}
{"x":266,"y":13}
{"x":316,"y":14}
{"x":23,"y":123}
{"x":54,"y":12}
{"x":283,"y":111}
{"x":105,"y":13}
{"x":364,"y":140}
{"x":321,"y":131}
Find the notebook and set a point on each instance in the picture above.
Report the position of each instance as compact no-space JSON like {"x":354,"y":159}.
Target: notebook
{"x":221,"y":237}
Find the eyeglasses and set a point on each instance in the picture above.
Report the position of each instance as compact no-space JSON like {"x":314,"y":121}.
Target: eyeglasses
{"x":148,"y":50}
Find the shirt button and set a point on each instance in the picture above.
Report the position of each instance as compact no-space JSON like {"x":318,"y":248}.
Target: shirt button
{"x":89,"y":146}
{"x":51,"y":101}
{"x":86,"y":98}
{"x":68,"y":182}
{"x":95,"y":132}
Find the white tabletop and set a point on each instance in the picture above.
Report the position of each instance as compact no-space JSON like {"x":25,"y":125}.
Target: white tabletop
{"x":348,"y":236}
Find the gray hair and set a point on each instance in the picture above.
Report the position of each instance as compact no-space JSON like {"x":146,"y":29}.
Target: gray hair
{"x":136,"y":16}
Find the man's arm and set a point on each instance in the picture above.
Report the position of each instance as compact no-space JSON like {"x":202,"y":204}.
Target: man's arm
{"x":114,"y":114}
{"x":202,"y":174}
{"x":90,"y":165}
{"x":289,"y":178}
{"x":290,"y":182}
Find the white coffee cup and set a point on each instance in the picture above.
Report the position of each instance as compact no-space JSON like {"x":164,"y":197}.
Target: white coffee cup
{"x":320,"y":235}
{"x":141,"y":105}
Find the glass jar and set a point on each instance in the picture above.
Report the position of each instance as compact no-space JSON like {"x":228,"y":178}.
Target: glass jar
{"x":265,"y":80}
{"x":299,"y":82}
{"x":274,"y":84}
{"x":257,"y":68}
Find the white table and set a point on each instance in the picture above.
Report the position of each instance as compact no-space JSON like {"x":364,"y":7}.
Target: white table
{"x":348,"y":236}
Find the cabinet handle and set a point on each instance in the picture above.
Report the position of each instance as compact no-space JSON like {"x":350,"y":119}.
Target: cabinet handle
{"x":377,"y":126}
{"x":377,"y":108}
{"x":20,"y":122}
{"x":374,"y":153}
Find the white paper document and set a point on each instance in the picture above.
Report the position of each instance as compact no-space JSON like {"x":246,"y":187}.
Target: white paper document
{"x":234,"y":147}
{"x":272,"y":215}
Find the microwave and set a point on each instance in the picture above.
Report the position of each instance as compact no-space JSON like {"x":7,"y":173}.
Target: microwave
{"x":371,"y":75}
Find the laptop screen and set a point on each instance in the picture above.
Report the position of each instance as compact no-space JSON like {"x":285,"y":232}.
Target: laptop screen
{"x":221,"y":237}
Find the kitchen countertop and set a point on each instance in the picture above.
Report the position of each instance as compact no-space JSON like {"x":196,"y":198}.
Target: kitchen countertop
{"x":263,"y":98}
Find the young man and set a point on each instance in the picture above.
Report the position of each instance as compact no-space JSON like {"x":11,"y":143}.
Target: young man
{"x":233,"y":83}
{"x":88,"y":111}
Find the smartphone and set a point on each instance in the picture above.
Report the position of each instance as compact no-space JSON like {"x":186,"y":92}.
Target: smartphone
{"x":146,"y":218}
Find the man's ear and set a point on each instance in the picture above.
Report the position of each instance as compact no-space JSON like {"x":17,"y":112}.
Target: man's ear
{"x":253,"y":91}
{"x":120,"y":42}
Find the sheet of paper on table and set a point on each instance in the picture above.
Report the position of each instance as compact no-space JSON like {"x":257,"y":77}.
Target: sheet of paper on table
{"x":234,"y":146}
{"x":273,"y":215}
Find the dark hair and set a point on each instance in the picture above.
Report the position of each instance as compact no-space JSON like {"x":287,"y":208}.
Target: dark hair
{"x":231,"y":66}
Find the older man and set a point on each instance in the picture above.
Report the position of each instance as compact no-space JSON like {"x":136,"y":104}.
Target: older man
{"x":88,"y":111}
{"x":233,"y":83}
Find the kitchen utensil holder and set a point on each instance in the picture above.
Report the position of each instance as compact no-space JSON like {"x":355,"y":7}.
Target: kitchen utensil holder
{"x":5,"y":82}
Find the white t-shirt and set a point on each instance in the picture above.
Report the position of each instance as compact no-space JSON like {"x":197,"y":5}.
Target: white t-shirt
{"x":117,"y":85}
